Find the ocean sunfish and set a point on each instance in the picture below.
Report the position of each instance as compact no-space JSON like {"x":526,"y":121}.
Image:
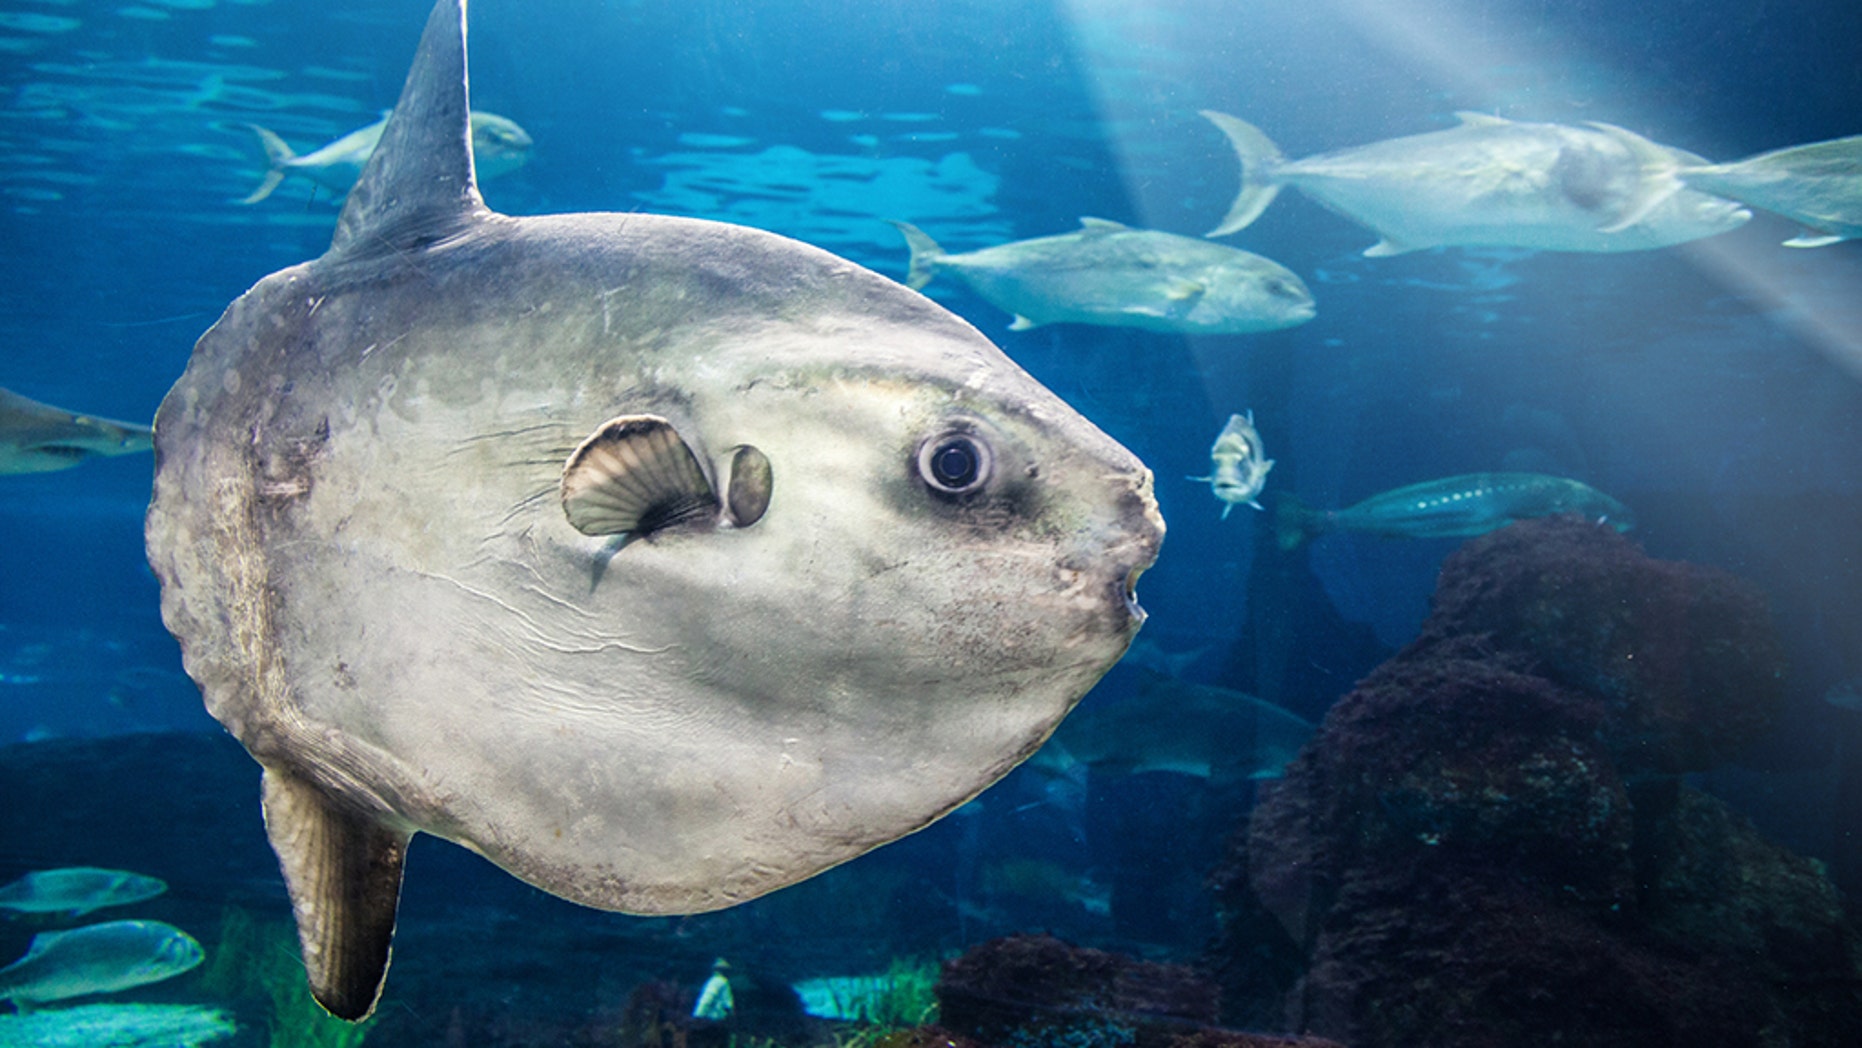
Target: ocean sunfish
{"x":77,"y":890}
{"x":660,"y":561}
{"x":1113,"y":275}
{"x":1818,"y":184}
{"x":1453,"y":507}
{"x":1490,"y":182}
{"x":39,"y":438}
{"x":97,"y":958}
{"x":499,"y":146}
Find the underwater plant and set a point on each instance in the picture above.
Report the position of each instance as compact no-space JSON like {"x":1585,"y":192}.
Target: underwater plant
{"x":256,"y":963}
{"x":901,"y":996}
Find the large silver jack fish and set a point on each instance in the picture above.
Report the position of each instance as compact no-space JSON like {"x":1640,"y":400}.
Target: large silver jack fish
{"x":1490,"y":182}
{"x":662,"y":562}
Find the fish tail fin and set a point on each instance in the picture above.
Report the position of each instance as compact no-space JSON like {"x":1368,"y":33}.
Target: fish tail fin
{"x":1295,"y":522}
{"x":277,"y":154}
{"x":1258,"y":155}
{"x":925,"y":255}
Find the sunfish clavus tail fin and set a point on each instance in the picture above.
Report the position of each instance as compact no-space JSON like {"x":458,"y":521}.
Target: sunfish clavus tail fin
{"x":419,"y":186}
{"x":278,"y":155}
{"x":343,"y":870}
{"x":925,"y":255}
{"x":1258,"y":155}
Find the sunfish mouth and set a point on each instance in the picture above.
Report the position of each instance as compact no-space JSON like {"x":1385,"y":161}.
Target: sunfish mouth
{"x":1129,"y":592}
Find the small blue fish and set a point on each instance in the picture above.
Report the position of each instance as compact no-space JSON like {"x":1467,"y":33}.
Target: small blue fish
{"x":77,"y":890}
{"x":97,"y":958}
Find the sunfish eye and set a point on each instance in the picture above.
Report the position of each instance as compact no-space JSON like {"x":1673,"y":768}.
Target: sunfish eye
{"x":954,"y":464}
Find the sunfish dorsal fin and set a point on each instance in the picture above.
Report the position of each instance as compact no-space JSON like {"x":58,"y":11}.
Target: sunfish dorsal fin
{"x":418,"y":186}
{"x":633,"y":476}
{"x":1101,"y":226}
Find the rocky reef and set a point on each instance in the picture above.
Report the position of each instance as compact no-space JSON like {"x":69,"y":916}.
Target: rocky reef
{"x":1035,"y":991}
{"x":1489,"y":841}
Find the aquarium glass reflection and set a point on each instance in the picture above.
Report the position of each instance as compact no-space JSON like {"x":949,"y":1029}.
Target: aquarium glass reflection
{"x":1498,"y":372}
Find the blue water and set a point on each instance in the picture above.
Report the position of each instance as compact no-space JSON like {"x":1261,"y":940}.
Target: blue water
{"x":1716,"y":387}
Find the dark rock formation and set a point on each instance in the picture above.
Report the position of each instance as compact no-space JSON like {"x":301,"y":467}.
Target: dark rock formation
{"x":1030,"y":990}
{"x":1480,"y":846}
{"x":1683,"y":657}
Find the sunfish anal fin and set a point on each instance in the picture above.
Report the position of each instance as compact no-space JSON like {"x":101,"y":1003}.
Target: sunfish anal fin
{"x":418,"y":186}
{"x":635,"y":475}
{"x":343,"y":870}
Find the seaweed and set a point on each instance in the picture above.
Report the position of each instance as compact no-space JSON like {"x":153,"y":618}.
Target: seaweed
{"x":257,"y":966}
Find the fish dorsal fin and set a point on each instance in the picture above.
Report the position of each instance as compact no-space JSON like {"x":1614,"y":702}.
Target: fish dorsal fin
{"x":633,"y":476}
{"x":1102,"y":226}
{"x":418,"y":186}
{"x":40,"y":943}
{"x":1470,"y":118}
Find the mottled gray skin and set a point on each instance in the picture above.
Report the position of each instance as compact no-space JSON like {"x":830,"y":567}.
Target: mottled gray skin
{"x":1113,"y":275}
{"x":1491,"y":182}
{"x":97,"y":958}
{"x":39,"y":438}
{"x":1819,"y":184}
{"x":357,"y":526}
{"x":77,"y":890}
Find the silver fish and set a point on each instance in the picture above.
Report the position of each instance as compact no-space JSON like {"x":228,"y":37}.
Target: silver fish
{"x":1114,"y":275}
{"x":660,"y":561}
{"x":499,"y":147}
{"x":77,"y":890}
{"x":1454,"y":507}
{"x":1819,"y":184}
{"x":118,"y":1026}
{"x":1490,"y":182}
{"x":1239,"y":470}
{"x":97,"y":958}
{"x":39,"y":438}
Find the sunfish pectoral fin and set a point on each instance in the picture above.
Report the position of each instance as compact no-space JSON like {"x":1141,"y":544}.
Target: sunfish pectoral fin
{"x":1814,"y":238}
{"x":343,"y":870}
{"x":636,"y":475}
